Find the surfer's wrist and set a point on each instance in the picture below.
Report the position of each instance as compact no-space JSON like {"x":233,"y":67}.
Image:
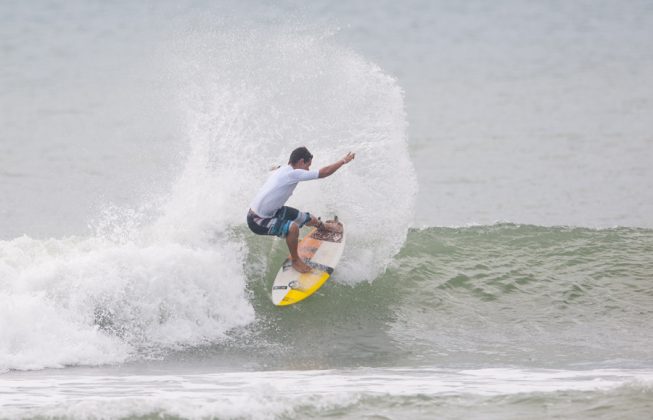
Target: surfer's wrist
{"x":350,"y":156}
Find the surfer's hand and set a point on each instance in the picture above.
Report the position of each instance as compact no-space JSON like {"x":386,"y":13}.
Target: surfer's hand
{"x":313,"y":222}
{"x":316,"y":222}
{"x":348,"y":158}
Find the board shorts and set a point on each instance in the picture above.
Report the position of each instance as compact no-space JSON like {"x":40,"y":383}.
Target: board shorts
{"x":279,"y":224}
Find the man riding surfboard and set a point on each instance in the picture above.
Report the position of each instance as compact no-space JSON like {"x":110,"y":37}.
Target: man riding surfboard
{"x":268,"y":214}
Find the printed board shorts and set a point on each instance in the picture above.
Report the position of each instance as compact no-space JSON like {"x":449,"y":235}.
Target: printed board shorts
{"x":279,"y":224}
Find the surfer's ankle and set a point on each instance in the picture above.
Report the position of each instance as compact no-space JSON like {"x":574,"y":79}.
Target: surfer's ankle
{"x":301,"y":266}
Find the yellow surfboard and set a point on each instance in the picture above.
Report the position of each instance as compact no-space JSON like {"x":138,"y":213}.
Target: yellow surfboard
{"x":321,"y":249}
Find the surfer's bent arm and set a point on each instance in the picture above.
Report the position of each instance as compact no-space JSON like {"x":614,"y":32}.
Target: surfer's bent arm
{"x":328,"y":170}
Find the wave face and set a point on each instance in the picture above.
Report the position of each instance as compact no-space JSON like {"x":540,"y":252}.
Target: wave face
{"x":526,"y":294}
{"x":477,"y":296}
{"x":171,"y":274}
{"x":554,"y":297}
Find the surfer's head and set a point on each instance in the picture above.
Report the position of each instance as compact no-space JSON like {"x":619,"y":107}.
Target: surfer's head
{"x":300,"y":153}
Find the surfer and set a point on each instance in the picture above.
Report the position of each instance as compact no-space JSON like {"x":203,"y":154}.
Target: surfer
{"x":268,"y":214}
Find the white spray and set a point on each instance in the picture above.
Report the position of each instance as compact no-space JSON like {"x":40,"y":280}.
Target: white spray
{"x":173,"y":276}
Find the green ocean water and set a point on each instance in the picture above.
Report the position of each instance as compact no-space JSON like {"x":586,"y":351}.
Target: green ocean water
{"x":528,"y":294}
{"x":518,"y":295}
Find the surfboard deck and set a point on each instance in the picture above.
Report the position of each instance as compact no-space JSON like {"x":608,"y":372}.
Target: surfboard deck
{"x":320,"y":249}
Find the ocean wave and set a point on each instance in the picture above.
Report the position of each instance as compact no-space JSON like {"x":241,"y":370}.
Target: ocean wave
{"x":171,"y":275}
{"x":528,"y":295}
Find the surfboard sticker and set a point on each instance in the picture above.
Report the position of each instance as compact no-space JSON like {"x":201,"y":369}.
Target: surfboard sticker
{"x":321,"y":249}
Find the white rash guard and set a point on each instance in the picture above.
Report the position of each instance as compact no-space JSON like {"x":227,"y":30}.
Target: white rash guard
{"x":278,"y":189}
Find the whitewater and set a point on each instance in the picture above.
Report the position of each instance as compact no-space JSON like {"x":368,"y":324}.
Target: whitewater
{"x":498,"y":262}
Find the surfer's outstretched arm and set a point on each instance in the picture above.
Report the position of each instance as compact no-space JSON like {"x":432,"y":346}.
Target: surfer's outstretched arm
{"x":328,"y":170}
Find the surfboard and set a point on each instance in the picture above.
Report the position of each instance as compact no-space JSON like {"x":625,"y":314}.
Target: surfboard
{"x":321,"y":249}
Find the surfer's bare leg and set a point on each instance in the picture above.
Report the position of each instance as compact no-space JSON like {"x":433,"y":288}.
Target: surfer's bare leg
{"x":292,"y":240}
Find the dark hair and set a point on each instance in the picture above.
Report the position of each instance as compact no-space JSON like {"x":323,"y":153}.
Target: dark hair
{"x":299,"y":154}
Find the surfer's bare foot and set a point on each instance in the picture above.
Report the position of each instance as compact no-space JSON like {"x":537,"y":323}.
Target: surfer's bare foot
{"x":301,"y":266}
